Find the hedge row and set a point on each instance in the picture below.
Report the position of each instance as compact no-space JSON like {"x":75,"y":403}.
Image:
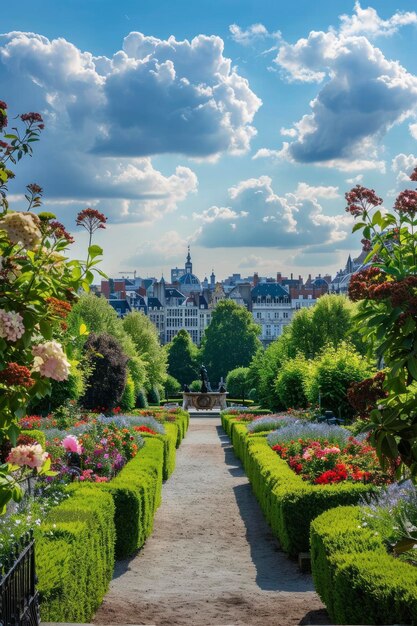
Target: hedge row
{"x":288,"y":502}
{"x":75,"y":556}
{"x":77,"y":543}
{"x":36,"y":435}
{"x":355,"y":577}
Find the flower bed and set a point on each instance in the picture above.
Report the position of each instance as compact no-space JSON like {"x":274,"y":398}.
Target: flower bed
{"x":355,"y":577}
{"x":289,"y":503}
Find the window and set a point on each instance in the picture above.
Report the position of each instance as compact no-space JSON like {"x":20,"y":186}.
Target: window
{"x":286,"y":315}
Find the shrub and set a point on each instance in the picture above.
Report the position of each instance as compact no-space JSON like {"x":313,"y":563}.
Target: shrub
{"x":237,"y":382}
{"x":299,"y":429}
{"x":172,"y":387}
{"x":355,"y":577}
{"x":154,"y":396}
{"x":332,"y":375}
{"x":269,"y":422}
{"x":70,"y":389}
{"x":128,"y":399}
{"x":195,"y":385}
{"x":75,"y":555}
{"x":291,"y":383}
{"x":141,"y":400}
{"x":107,"y":380}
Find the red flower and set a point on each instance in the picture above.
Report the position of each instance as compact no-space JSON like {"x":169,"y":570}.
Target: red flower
{"x":3,"y":114}
{"x":406,"y":202}
{"x":91,"y":219}
{"x":31,"y":118}
{"x":18,"y":375}
{"x":361,"y":199}
{"x":144,"y":429}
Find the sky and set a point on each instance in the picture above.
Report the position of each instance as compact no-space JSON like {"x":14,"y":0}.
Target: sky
{"x":232,"y":126}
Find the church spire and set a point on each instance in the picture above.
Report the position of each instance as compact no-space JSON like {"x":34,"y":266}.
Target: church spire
{"x":188,"y":264}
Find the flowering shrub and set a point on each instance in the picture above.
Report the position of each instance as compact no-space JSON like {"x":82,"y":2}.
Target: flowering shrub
{"x":323,"y":463}
{"x":387,"y":291}
{"x":269,"y":422}
{"x":37,"y":286}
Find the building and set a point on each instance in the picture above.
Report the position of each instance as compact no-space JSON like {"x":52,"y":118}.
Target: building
{"x":271,"y":309}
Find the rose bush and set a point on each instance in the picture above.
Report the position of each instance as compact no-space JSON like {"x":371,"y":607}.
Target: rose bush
{"x":37,"y":286}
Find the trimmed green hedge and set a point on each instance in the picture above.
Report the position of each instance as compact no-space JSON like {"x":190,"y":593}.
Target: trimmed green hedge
{"x":136,"y":491}
{"x":169,"y":441}
{"x":288,"y":502}
{"x":75,"y":555}
{"x":355,"y":577}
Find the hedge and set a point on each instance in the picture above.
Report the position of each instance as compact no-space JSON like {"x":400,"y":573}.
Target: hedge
{"x":75,"y":555}
{"x":136,"y":491}
{"x":355,"y":577}
{"x":169,"y":442}
{"x":288,"y":502}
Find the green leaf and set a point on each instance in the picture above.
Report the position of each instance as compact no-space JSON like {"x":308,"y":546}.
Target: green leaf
{"x":13,"y":432}
{"x":94,"y":251}
{"x":412,"y":366}
{"x":83,"y":330}
{"x":46,"y":329}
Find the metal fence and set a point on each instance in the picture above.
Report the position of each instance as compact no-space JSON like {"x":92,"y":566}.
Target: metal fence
{"x":19,"y":603}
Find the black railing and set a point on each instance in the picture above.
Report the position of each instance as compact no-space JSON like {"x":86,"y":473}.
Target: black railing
{"x":19,"y":603}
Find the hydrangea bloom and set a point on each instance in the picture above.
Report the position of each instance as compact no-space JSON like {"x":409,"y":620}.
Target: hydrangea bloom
{"x":33,"y":456}
{"x":51,"y":361}
{"x":11,"y":325}
{"x":23,"y":228}
{"x":71,"y":444}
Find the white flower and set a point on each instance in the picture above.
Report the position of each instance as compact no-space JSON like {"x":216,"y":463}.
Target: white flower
{"x":11,"y":325}
{"x":51,"y":361}
{"x":22,"y":228}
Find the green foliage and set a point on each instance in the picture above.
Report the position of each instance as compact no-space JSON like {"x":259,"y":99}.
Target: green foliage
{"x":172,"y":387}
{"x":153,"y":395}
{"x":355,"y":577}
{"x":195,"y":385}
{"x":136,"y":491}
{"x":61,"y":392}
{"x":141,"y":400}
{"x":182,"y":358}
{"x":230,"y":341}
{"x":107,"y":380}
{"x":331,"y":376}
{"x":291,"y":383}
{"x":128,"y":399}
{"x":288,"y":503}
{"x":75,"y":555}
{"x":237,"y":382}
{"x":38,"y":436}
{"x":137,"y":370}
{"x":264,"y":368}
{"x":146,"y":341}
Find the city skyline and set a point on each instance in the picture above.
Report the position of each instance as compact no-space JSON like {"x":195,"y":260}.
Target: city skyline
{"x":235,"y":127}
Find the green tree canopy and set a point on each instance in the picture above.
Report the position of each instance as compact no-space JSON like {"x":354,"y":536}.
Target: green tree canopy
{"x":182,"y":358}
{"x":237,"y":383}
{"x":146,"y":341}
{"x":230,"y":341}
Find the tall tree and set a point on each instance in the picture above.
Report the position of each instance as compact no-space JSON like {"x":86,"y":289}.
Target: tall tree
{"x":182,"y":358}
{"x":146,"y":340}
{"x":230,"y":341}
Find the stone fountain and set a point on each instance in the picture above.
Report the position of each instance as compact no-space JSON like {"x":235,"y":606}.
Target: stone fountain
{"x":205,"y":399}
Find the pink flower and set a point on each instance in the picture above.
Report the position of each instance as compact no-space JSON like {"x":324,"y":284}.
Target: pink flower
{"x":11,"y":325}
{"x":33,"y":456}
{"x":70,"y":443}
{"x":51,"y":361}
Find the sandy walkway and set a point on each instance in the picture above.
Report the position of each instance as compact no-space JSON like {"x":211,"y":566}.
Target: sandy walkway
{"x":211,"y":560}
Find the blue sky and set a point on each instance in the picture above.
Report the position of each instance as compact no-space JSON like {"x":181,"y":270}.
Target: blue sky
{"x":232,"y":126}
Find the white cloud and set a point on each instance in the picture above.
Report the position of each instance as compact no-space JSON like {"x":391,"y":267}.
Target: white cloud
{"x":252,"y":34}
{"x":413,"y":130}
{"x":363,"y":94}
{"x":403,"y":165}
{"x":258,"y":217}
{"x":305,"y":191}
{"x":355,"y":180}
{"x":367,"y":22}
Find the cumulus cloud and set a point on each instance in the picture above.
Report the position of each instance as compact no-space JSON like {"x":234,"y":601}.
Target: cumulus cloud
{"x":305,"y":191}
{"x":258,"y":217}
{"x":355,"y":180}
{"x":403,"y":165}
{"x":362,"y":94}
{"x":367,"y":22}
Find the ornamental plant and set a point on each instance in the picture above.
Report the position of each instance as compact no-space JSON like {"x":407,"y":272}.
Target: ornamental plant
{"x":386,"y":288}
{"x":38,"y":285}
{"x":322,"y":463}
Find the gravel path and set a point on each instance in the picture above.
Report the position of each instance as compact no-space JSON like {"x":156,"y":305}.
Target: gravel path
{"x":212,"y":560}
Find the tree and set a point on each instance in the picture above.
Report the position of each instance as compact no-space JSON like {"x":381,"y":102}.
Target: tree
{"x":182,"y":358}
{"x":107,"y":380}
{"x":264,"y":368}
{"x":291,"y":383}
{"x":230,"y":341}
{"x":146,"y":341}
{"x":237,"y":383}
